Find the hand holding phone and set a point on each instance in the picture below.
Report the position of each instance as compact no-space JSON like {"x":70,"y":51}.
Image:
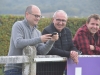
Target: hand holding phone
{"x":54,"y":33}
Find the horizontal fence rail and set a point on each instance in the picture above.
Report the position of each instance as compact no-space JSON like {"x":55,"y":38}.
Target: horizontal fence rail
{"x":29,"y":59}
{"x":14,"y":59}
{"x":49,"y":58}
{"x":39,"y":58}
{"x":25,"y":59}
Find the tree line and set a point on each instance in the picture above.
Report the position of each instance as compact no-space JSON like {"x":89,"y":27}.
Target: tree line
{"x":80,"y":8}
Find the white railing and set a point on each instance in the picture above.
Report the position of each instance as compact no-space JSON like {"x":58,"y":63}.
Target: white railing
{"x":29,"y":59}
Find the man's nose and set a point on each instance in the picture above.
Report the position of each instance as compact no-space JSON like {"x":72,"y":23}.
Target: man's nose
{"x":60,"y":22}
{"x":95,"y":26}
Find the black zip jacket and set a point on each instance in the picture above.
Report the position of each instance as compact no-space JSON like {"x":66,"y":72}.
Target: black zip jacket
{"x":64,"y":44}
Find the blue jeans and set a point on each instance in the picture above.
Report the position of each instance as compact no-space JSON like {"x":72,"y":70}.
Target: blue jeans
{"x":15,"y":71}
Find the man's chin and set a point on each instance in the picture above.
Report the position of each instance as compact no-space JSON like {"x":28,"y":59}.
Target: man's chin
{"x":93,"y":32}
{"x":36,"y":23}
{"x":59,"y":30}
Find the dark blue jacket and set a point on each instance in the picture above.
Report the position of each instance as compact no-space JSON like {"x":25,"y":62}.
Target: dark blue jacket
{"x":64,"y":44}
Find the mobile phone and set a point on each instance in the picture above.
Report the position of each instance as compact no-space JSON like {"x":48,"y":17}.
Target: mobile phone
{"x":54,"y":33}
{"x":79,"y":52}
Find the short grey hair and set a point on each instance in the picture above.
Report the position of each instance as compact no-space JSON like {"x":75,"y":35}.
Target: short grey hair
{"x":29,"y":9}
{"x":59,"y":11}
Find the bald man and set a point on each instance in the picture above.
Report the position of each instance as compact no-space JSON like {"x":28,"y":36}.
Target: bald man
{"x":25,"y":33}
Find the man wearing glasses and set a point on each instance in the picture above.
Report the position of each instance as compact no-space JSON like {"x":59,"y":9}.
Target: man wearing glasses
{"x":63,"y":46}
{"x":25,"y":33}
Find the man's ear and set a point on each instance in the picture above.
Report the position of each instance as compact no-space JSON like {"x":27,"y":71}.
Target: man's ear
{"x":87,"y":23}
{"x":52,"y":19}
{"x":26,"y":14}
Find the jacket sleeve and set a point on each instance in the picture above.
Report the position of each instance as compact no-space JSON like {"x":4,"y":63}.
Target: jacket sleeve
{"x":97,"y":48}
{"x":72,"y":46}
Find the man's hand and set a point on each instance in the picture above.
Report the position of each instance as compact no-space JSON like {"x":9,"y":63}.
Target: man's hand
{"x":92,"y":47}
{"x":55,"y":37}
{"x":46,"y":37}
{"x":74,"y":56}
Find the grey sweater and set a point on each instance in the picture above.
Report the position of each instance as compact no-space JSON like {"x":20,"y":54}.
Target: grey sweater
{"x":23,"y":35}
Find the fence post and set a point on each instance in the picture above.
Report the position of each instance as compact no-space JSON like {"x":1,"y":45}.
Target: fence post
{"x":29,"y":68}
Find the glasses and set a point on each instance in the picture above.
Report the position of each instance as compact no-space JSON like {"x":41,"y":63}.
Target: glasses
{"x":59,"y":20}
{"x":36,"y":16}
